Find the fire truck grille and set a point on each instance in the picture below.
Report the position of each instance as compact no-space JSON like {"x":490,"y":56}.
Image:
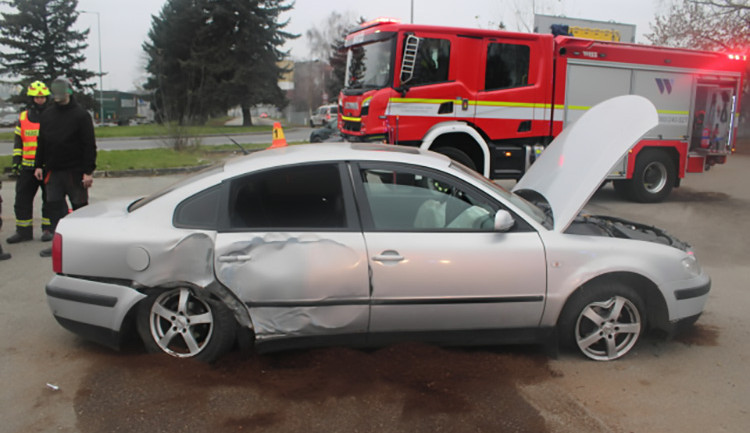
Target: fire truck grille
{"x":352,"y":126}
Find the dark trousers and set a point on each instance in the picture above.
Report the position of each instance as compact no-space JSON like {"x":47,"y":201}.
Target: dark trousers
{"x":26,"y":188}
{"x":62,"y":183}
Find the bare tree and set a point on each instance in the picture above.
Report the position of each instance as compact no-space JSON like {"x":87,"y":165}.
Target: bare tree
{"x":704,"y":24}
{"x":322,"y":38}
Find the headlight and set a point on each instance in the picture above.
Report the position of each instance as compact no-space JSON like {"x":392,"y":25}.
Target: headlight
{"x":690,"y":263}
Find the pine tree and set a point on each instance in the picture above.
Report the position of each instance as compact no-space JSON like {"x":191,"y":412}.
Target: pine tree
{"x":206,"y":56}
{"x":40,"y":44}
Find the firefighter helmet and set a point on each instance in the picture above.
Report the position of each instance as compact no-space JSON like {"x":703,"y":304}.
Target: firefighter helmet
{"x":37,"y":88}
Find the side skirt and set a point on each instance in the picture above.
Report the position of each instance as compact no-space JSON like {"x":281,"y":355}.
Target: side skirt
{"x":482,"y":337}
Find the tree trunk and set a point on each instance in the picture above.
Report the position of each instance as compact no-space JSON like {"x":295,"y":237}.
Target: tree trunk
{"x":246,"y":119}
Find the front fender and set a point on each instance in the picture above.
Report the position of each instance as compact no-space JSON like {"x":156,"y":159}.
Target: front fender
{"x":574,"y":260}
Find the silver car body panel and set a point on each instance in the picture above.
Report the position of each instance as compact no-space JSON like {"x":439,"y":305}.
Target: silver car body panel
{"x":297,"y":284}
{"x":573,"y":166}
{"x":574,"y":260}
{"x":418,"y":284}
{"x":322,"y":283}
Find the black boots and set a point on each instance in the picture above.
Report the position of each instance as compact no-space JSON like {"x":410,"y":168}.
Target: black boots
{"x":18,"y":237}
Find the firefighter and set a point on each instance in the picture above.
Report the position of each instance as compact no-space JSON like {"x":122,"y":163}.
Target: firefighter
{"x":24,"y":153}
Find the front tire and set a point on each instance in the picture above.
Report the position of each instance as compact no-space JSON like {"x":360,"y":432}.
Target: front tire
{"x":458,"y":156}
{"x":604,"y":321}
{"x":183,"y":325}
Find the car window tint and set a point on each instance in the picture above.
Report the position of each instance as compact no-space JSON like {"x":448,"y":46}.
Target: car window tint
{"x":200,"y":211}
{"x":297,"y":197}
{"x":402,"y":200}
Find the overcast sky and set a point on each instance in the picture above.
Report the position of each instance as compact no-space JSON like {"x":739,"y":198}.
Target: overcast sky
{"x":125,"y":23}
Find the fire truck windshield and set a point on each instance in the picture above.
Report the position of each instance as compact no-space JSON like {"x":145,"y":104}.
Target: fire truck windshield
{"x":368,"y":66}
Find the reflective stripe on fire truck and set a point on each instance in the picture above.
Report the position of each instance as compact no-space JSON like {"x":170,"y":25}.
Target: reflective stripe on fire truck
{"x":351,"y":119}
{"x":505,"y":110}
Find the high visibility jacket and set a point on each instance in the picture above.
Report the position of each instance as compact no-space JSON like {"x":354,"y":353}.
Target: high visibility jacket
{"x":29,"y":132}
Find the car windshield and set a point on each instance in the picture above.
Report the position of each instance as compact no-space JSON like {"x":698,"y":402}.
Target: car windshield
{"x":216,"y":168}
{"x":369,"y":65}
{"x":530,"y":209}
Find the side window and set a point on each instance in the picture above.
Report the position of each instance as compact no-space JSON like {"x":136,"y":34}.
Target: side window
{"x":433,"y":59}
{"x":404,"y":200}
{"x":299,"y":197}
{"x":507,"y":66}
{"x":199,"y":211}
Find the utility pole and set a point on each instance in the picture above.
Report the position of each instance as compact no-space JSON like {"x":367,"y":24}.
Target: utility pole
{"x":101,"y":74}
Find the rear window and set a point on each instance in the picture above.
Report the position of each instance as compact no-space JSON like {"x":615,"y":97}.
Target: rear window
{"x":209,"y":171}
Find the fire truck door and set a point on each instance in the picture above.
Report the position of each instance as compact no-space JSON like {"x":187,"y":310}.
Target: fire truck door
{"x":436,"y":89}
{"x":510,"y":102}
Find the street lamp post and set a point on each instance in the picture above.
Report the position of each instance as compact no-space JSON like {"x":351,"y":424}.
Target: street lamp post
{"x":101,"y":74}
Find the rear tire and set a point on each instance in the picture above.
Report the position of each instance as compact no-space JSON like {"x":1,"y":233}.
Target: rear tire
{"x":183,"y":325}
{"x":603,"y":320}
{"x":653,"y":178}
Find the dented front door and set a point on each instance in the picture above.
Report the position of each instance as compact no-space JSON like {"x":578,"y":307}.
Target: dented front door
{"x":297,"y":284}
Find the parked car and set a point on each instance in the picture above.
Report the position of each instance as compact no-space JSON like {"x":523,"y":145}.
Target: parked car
{"x":9,"y":119}
{"x":367,"y":244}
{"x":324,"y":114}
{"x":328,"y":132}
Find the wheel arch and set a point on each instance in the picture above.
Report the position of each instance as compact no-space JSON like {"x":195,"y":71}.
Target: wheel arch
{"x":448,"y":134}
{"x":657,"y":314}
{"x":216,"y":291}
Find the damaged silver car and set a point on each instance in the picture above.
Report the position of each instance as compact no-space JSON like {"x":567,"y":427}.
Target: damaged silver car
{"x":364,"y":245}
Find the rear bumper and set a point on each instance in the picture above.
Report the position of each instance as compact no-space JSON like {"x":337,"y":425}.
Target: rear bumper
{"x":92,"y":309}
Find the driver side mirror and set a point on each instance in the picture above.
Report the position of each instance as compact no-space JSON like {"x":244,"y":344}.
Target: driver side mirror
{"x":503,"y":221}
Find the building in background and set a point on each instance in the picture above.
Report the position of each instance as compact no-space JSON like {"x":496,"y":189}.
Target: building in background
{"x":123,"y":108}
{"x":581,"y":28}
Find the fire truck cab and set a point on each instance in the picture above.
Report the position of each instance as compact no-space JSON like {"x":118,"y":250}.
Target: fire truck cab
{"x":493,"y":100}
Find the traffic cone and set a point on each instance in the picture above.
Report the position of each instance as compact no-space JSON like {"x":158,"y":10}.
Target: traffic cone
{"x":278,"y":136}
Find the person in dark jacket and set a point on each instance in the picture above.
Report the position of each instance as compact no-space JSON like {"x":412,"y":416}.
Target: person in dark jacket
{"x":24,"y":152}
{"x":65,"y":154}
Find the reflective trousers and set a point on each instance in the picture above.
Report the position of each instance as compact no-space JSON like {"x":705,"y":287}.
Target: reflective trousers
{"x":26,"y":188}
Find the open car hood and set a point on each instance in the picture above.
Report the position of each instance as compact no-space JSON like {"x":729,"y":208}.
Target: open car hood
{"x":573,"y":166}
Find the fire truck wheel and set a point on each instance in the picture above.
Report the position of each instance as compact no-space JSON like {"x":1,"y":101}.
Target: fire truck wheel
{"x":458,"y":156}
{"x":653,"y":177}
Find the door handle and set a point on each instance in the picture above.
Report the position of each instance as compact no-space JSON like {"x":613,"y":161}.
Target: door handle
{"x":388,"y":256}
{"x":234,"y":259}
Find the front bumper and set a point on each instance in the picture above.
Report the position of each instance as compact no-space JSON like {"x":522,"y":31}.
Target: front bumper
{"x":92,"y":309}
{"x":688,"y":298}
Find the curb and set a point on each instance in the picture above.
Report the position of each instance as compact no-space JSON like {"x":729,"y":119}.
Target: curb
{"x":134,"y":173}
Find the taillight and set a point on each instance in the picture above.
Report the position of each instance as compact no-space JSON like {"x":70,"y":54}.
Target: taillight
{"x":57,"y":254}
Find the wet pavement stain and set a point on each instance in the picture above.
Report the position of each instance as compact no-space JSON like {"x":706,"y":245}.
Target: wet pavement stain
{"x":408,"y":387}
{"x":699,"y":335}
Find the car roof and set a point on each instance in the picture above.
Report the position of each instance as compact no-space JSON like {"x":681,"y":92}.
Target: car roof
{"x":343,"y":151}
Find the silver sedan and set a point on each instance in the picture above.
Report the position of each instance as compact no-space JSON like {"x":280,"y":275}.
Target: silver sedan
{"x":363,"y":244}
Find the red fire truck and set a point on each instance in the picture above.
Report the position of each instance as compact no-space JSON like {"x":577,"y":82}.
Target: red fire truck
{"x":493,"y":100}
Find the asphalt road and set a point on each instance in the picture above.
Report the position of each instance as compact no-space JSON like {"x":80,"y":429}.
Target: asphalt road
{"x":295,"y":134}
{"x":54,"y":381}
